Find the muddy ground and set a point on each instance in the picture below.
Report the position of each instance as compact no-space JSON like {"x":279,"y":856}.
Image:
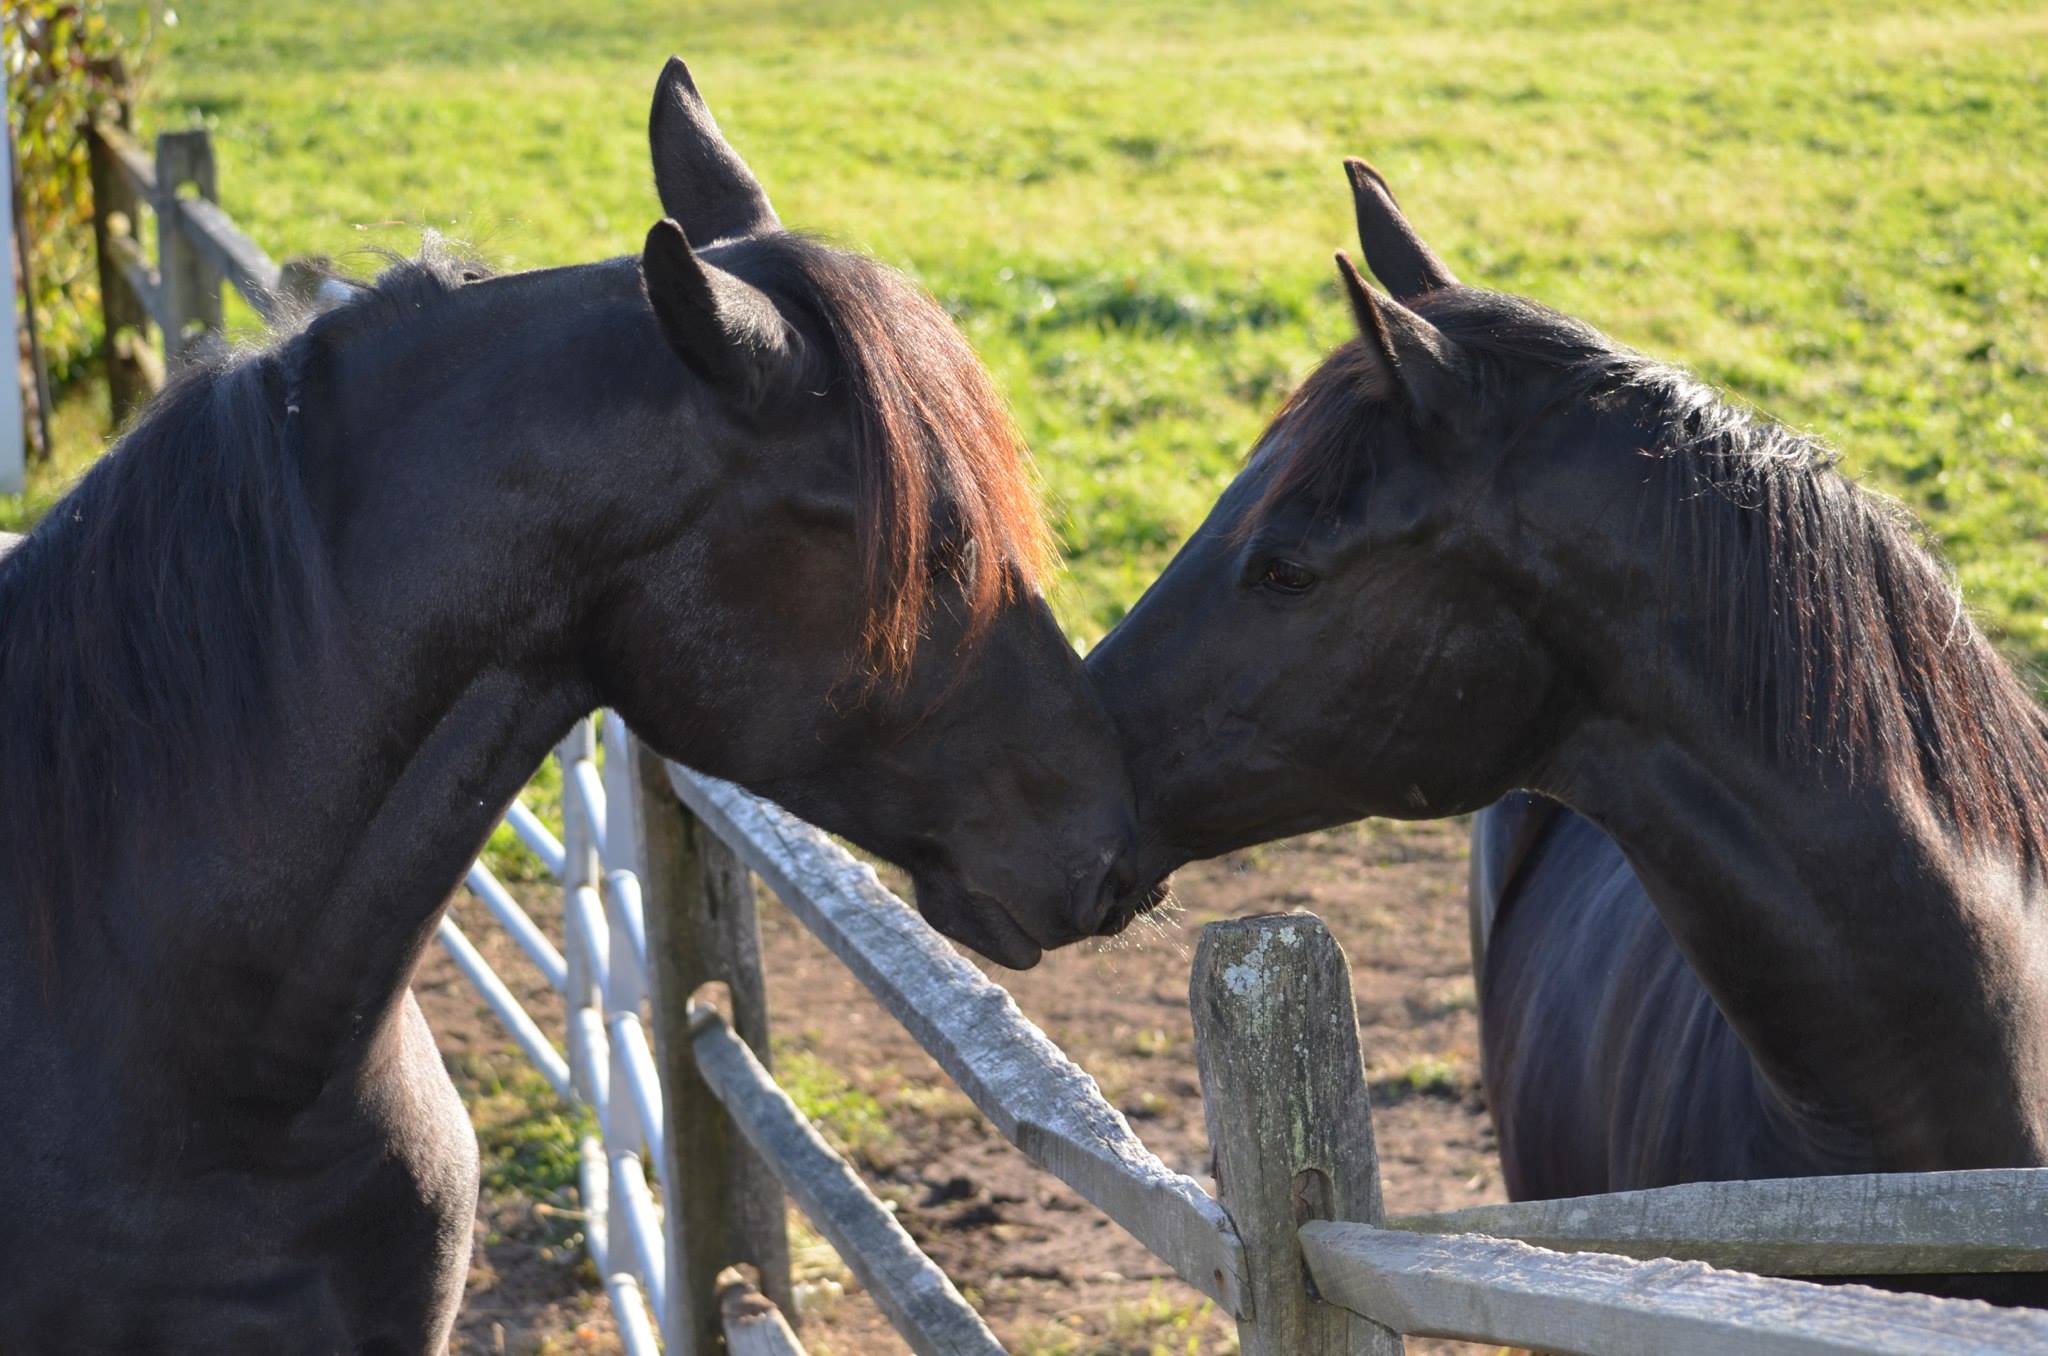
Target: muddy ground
{"x":1050,"y":1274}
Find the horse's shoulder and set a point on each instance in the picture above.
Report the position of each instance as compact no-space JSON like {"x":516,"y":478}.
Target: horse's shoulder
{"x":1505,"y":835}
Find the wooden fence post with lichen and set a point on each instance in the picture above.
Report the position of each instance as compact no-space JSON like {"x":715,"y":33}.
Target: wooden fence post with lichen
{"x":1290,"y":1123}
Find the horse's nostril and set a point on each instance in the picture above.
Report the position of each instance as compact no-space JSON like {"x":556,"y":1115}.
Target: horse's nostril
{"x":1093,"y":907}
{"x":1121,"y":893}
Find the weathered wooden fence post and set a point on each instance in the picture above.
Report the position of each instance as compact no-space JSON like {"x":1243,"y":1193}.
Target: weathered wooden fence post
{"x":1290,"y":1123}
{"x":117,"y":215}
{"x":724,"y":1203}
{"x":13,"y":443}
{"x":191,"y":285}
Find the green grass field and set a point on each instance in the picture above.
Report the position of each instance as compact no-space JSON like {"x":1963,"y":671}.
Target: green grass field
{"x":1836,"y":210}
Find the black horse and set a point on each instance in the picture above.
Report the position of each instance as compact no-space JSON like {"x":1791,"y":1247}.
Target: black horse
{"x":271,"y":672}
{"x":1795,"y":919}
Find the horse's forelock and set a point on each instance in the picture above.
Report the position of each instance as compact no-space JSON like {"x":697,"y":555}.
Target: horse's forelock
{"x":946,"y":481}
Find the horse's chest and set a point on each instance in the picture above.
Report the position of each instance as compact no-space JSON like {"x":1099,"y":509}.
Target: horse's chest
{"x":351,"y":1234}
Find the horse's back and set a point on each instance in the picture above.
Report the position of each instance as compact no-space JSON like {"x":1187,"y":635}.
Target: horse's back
{"x":1606,"y":1062}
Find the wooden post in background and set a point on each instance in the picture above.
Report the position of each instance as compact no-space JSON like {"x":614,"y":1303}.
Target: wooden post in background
{"x":724,"y":1205}
{"x":191,"y":286}
{"x":13,"y":437}
{"x":1290,"y":1123}
{"x":117,"y":215}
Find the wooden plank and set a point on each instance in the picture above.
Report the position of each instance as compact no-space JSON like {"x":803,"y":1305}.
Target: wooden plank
{"x":697,"y":902}
{"x":1590,"y":1304}
{"x":123,"y":310}
{"x":191,"y":302}
{"x":1290,"y":1122}
{"x":137,"y":349}
{"x":1033,"y":1094}
{"x":13,"y":439}
{"x":1989,"y":1219}
{"x":133,"y":269}
{"x":753,"y":1325}
{"x":908,"y":1287}
{"x":230,"y":254}
{"x":128,"y":160}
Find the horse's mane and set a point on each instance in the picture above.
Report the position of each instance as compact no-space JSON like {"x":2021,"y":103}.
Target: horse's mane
{"x":141,"y":619}
{"x":946,"y":482}
{"x":1836,"y":632}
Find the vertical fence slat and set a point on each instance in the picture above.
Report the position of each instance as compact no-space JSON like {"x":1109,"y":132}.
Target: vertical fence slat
{"x":724,"y":1204}
{"x":191,"y":285}
{"x":13,"y":445}
{"x":117,"y":213}
{"x":1290,"y":1124}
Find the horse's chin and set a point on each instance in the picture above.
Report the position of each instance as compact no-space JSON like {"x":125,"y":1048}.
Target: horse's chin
{"x":978,"y":923}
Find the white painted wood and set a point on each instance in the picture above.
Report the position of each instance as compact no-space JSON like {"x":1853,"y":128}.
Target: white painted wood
{"x":1036,"y":1097}
{"x":522,"y":928}
{"x":907,"y":1286}
{"x":629,"y":1301}
{"x":589,"y":937}
{"x":583,"y":800}
{"x":1590,"y":1304}
{"x":636,"y":1238}
{"x":521,"y":1026}
{"x":13,"y":439}
{"x":535,"y":835}
{"x":1990,"y":1219}
{"x":633,"y":1072}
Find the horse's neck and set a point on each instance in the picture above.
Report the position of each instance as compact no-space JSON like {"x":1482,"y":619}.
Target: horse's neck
{"x":1879,"y":975}
{"x":321,"y":888}
{"x":293,"y":914}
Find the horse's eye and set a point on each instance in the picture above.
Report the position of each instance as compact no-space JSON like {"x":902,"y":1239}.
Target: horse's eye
{"x":1284,"y":576}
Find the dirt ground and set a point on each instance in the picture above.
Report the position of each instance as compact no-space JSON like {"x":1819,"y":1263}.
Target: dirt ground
{"x":1049,"y":1273}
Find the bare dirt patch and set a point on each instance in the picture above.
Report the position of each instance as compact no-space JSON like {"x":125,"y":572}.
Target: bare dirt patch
{"x":1051,"y":1275}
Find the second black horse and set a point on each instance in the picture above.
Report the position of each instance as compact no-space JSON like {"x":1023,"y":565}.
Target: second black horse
{"x":1795,"y":918}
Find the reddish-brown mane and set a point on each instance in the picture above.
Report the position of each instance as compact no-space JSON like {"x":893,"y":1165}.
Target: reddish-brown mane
{"x":946,"y":481}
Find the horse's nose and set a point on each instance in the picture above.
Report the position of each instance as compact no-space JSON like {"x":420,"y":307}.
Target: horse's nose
{"x":1116,"y":886}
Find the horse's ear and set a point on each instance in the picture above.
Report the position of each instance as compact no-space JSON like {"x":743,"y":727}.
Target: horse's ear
{"x":704,"y":185}
{"x":1408,"y":358}
{"x":1393,"y":251}
{"x":728,"y":331}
